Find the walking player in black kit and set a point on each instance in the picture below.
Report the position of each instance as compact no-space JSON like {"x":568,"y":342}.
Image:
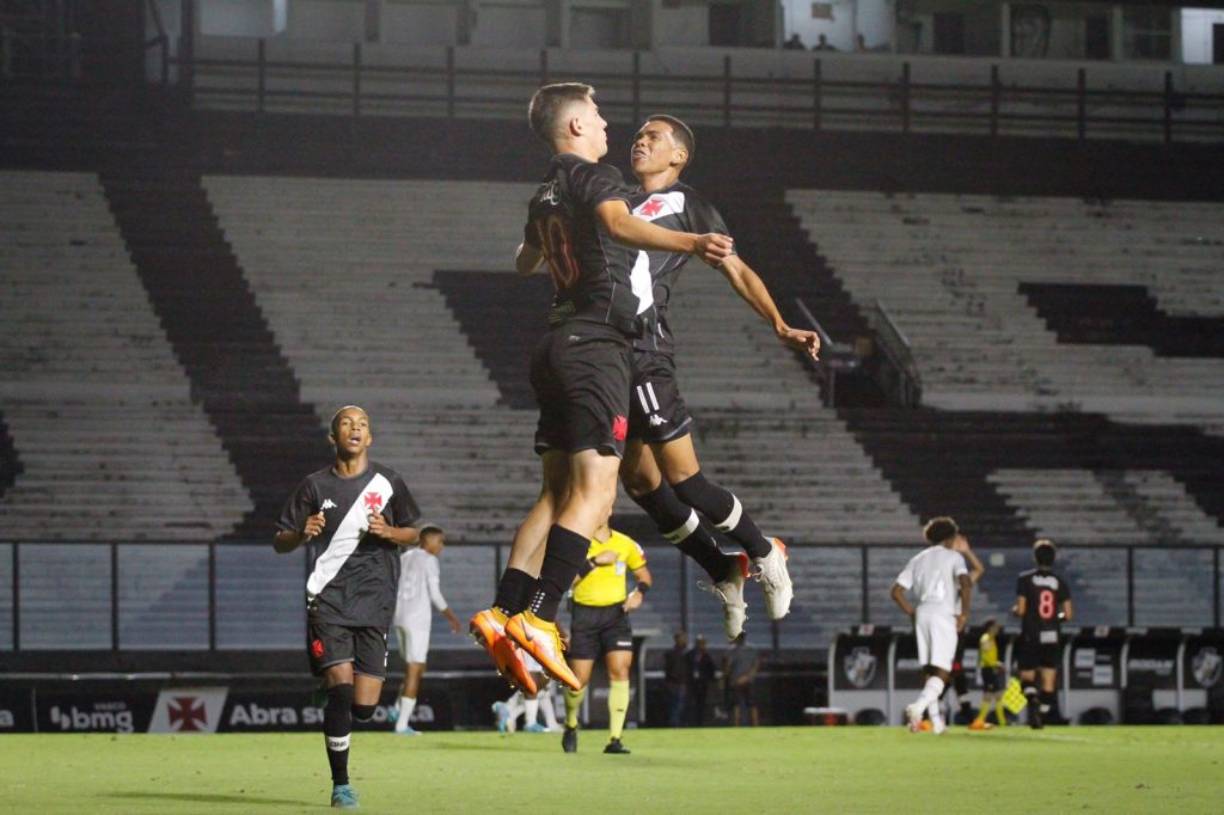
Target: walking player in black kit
{"x":579,"y":226}
{"x":1043,"y":602}
{"x":355,"y":515}
{"x":660,"y":471}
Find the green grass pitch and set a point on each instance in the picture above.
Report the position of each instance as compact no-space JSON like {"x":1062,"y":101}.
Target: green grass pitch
{"x":762,"y":771}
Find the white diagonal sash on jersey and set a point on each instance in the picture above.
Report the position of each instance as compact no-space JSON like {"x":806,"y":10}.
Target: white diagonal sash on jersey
{"x":660,"y":205}
{"x":348,"y":535}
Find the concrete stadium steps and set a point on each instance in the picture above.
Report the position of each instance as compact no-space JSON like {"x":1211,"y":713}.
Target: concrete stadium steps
{"x":939,"y":261}
{"x":319,"y":252}
{"x":219,"y":336}
{"x":88,"y":381}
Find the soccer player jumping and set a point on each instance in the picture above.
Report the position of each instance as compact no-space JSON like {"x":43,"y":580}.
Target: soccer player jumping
{"x":354,"y":515}
{"x":580,"y":227}
{"x":936,"y":577}
{"x":660,"y":470}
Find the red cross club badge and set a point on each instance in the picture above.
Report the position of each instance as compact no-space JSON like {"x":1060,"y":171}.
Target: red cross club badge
{"x":373,"y":501}
{"x":188,"y":713}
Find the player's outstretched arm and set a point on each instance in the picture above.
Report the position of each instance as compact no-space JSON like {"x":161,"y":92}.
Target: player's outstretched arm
{"x":636,"y":233}
{"x":1067,"y":611}
{"x":1020,"y":607}
{"x":898,"y":595}
{"x":527,"y":259}
{"x":748,"y":285}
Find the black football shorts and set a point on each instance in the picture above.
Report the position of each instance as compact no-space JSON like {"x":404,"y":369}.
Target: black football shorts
{"x":991,"y":681}
{"x":1032,"y":654}
{"x":657,"y":412}
{"x":596,"y":630}
{"x":331,"y":644}
{"x":580,"y":375}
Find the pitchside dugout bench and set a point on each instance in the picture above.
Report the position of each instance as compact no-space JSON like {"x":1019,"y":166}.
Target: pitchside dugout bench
{"x":1133,"y":675}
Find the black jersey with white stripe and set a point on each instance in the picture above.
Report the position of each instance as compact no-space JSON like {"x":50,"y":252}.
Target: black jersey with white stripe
{"x":594,"y":276}
{"x":353,"y":575}
{"x":1044,"y":593}
{"x":680,"y":208}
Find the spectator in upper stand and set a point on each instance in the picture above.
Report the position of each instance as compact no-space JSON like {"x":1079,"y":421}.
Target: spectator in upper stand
{"x":675,"y":676}
{"x":822,"y":44}
{"x":860,"y":43}
{"x":740,"y":667}
{"x":700,"y":672}
{"x":794,"y":44}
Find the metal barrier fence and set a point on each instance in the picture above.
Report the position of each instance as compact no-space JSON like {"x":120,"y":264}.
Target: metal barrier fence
{"x":361,"y":85}
{"x":142,"y":596}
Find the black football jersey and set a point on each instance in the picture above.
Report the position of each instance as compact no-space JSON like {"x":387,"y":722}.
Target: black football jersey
{"x":680,"y":208}
{"x":1044,"y":593}
{"x":353,"y":575}
{"x":593,"y":275}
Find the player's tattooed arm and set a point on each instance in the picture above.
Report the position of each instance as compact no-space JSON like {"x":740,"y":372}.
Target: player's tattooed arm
{"x":632,"y":231}
{"x":749,"y":286}
{"x":527,"y":259}
{"x":898,"y":596}
{"x":286,"y":540}
{"x":399,"y":535}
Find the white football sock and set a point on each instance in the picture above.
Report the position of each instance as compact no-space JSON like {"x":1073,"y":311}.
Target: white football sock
{"x":531,"y":713}
{"x":406,"y":705}
{"x":930,"y":692}
{"x":546,"y":709}
{"x":515,"y":705}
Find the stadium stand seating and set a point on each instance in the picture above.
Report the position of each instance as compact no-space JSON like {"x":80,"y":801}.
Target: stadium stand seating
{"x":338,"y":253}
{"x":110,"y":443}
{"x":1041,"y":427}
{"x":237,"y":373}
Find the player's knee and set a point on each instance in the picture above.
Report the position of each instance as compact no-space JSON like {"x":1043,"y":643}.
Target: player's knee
{"x":363,"y":713}
{"x":638,"y":484}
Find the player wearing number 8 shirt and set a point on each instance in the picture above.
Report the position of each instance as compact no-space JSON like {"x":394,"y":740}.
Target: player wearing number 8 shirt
{"x":1043,"y":603}
{"x":580,"y":228}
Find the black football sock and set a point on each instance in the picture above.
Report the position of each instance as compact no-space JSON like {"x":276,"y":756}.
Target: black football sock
{"x":514,"y":591}
{"x":725,"y":511}
{"x":565,"y":554}
{"x":680,"y":525}
{"x":337,"y":728}
{"x":1047,"y":703}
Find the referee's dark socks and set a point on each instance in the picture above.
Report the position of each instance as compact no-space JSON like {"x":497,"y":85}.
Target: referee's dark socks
{"x":563,"y":558}
{"x":514,"y":591}
{"x":680,"y":525}
{"x":337,"y":729}
{"x":1047,"y":701}
{"x":725,"y":511}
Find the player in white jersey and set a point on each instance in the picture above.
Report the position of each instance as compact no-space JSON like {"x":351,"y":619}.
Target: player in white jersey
{"x":418,"y":589}
{"x":935,"y":578}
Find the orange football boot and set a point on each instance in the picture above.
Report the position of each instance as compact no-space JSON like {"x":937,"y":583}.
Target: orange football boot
{"x":488,"y":628}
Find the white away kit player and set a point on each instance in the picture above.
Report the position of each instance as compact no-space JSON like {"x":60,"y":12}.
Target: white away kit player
{"x":934,"y":578}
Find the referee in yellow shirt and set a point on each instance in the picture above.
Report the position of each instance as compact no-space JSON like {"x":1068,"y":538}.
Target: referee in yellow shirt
{"x":600,"y":625}
{"x":992,"y":677}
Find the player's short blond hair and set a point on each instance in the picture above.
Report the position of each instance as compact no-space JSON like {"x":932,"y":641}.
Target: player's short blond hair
{"x":547,"y":105}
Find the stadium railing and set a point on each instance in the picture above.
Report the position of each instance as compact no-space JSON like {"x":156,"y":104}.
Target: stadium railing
{"x":877,"y":93}
{"x":146,"y":597}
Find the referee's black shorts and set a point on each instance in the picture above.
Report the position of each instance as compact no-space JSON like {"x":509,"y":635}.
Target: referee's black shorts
{"x":597,"y":630}
{"x":580,"y":374}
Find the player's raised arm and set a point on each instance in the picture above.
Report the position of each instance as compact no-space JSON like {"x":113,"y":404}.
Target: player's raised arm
{"x":634,"y":232}
{"x":748,"y":285}
{"x":976,"y":567}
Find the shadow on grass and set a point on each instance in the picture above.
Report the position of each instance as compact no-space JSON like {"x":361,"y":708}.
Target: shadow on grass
{"x":204,"y":798}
